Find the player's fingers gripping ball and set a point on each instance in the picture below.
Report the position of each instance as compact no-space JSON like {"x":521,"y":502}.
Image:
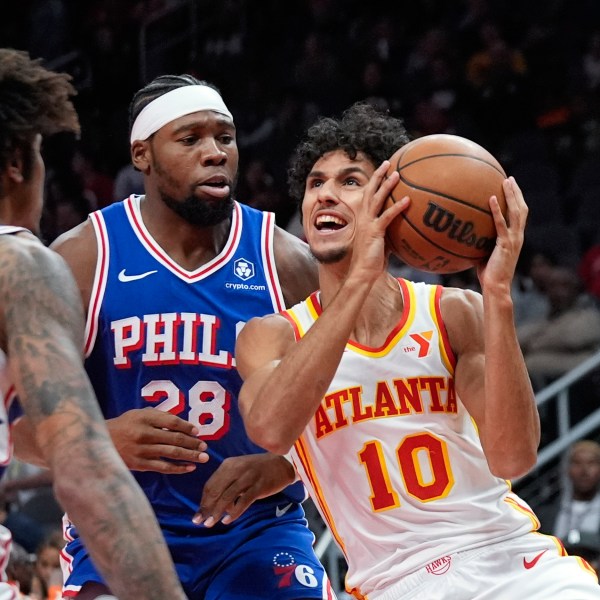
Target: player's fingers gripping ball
{"x":448,"y":226}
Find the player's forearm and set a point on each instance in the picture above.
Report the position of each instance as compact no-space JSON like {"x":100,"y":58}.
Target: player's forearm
{"x":512,"y":431}
{"x":283,"y":405}
{"x":24,"y":444}
{"x":114,"y":518}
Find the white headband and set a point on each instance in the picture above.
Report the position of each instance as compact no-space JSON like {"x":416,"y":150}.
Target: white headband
{"x":174,"y":104}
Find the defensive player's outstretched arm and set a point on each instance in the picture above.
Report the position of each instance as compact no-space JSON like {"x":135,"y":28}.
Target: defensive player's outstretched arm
{"x":43,"y":324}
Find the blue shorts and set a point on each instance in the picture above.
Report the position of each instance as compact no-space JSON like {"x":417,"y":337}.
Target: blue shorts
{"x":260,"y":556}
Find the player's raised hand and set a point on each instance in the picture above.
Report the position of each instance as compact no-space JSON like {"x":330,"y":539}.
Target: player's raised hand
{"x":238,"y":482}
{"x":500,"y":267}
{"x":152,"y":440}
{"x":369,"y":254}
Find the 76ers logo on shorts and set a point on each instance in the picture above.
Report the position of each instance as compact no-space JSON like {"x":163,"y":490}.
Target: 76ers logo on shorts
{"x":285,"y":567}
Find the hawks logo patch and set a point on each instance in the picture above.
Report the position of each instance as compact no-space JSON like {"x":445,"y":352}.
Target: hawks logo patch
{"x":439,"y":566}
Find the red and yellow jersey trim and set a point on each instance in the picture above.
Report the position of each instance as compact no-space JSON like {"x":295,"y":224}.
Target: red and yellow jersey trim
{"x":446,"y":352}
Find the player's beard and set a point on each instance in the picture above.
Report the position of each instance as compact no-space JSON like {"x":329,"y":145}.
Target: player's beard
{"x":330,"y":257}
{"x":200,"y":212}
{"x":196,"y":211}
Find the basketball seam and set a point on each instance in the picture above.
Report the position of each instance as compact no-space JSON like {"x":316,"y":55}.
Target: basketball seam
{"x":446,"y":250}
{"x":420,"y":188}
{"x":416,"y":160}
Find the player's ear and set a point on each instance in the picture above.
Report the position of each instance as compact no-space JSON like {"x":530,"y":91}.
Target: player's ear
{"x":14,"y":168}
{"x":140,"y":155}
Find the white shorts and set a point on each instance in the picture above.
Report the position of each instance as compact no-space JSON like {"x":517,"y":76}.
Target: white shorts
{"x":530,"y":567}
{"x":8,"y":592}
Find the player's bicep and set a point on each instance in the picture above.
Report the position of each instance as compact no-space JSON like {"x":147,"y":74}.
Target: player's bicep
{"x":262,"y":341}
{"x":462,"y":312}
{"x":78,"y":247}
{"x":259,"y":348}
{"x":44,"y":324}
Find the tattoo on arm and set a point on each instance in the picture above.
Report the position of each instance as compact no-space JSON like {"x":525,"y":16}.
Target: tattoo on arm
{"x":42,"y":333}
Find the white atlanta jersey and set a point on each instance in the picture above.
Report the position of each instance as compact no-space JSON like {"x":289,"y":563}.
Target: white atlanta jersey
{"x":393,"y":460}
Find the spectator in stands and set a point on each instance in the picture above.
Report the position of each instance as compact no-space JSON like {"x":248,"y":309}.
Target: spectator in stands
{"x":128,"y":180}
{"x":20,"y":571}
{"x":566,"y":335}
{"x":576,"y":512}
{"x":529,"y":284}
{"x":589,"y":270}
{"x":47,"y":562}
{"x":30,"y":508}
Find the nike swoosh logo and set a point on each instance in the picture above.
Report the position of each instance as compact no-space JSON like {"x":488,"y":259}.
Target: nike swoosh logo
{"x":279,"y":512}
{"x":529,"y":564}
{"x":125,"y":278}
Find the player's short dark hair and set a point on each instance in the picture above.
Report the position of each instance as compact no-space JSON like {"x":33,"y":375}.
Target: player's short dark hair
{"x":362,"y":128}
{"x":159,"y":86}
{"x":33,"y":100}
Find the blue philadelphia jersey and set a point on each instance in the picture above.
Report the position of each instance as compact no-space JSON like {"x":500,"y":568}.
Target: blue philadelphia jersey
{"x":160,"y":336}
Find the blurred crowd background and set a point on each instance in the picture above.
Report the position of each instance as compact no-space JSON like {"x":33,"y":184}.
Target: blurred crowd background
{"x":520,"y":77}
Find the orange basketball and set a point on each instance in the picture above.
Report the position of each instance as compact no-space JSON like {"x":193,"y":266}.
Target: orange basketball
{"x":448,"y":226}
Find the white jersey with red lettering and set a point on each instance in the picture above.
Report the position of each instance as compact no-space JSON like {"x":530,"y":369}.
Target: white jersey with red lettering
{"x":392,"y":458}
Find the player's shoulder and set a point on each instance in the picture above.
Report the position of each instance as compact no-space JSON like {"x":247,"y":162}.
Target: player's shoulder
{"x":269,"y":335}
{"x":462,"y":313}
{"x":296,"y":266}
{"x":79,"y":248}
{"x":29,"y":270}
{"x":80,"y":238}
{"x":460,"y":298}
{"x":23,"y":255}
{"x":271,"y":323}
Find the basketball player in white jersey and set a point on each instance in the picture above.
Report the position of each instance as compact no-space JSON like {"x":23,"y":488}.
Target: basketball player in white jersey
{"x":407,"y":406}
{"x":41,"y":345}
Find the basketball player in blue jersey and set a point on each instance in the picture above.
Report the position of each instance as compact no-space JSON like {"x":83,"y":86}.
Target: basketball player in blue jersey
{"x":41,"y":338}
{"x":408,"y":405}
{"x":168,"y":280}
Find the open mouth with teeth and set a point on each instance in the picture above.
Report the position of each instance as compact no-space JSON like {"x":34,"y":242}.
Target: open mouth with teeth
{"x":329,"y":223}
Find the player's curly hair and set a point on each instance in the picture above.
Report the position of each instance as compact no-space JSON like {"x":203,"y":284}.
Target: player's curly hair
{"x":362,"y":128}
{"x":33,"y":100}
{"x":156,"y":88}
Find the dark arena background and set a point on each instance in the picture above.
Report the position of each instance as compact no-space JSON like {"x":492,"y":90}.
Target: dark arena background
{"x":519,"y":77}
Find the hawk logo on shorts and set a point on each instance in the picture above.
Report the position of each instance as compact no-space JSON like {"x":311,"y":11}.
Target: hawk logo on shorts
{"x":285,"y":567}
{"x":243,"y":269}
{"x":439,"y":566}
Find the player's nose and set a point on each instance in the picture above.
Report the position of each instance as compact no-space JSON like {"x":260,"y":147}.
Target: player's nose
{"x":327,"y":193}
{"x":212,"y":153}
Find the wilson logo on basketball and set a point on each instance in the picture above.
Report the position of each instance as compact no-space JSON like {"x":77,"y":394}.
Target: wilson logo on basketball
{"x":439,"y":566}
{"x":441,"y":220}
